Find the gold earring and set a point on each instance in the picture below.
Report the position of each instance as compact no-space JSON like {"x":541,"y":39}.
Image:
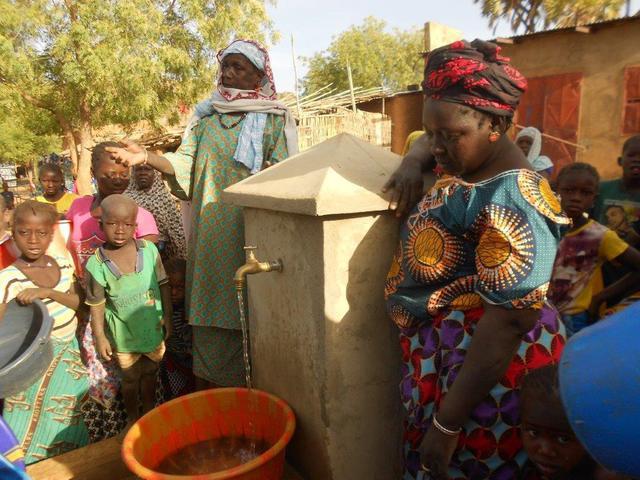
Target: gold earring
{"x":494,"y":136}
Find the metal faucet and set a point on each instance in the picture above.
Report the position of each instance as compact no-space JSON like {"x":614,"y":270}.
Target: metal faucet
{"x":252,"y":266}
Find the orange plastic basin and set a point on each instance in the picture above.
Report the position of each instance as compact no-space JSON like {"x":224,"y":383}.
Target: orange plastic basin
{"x":207,"y":415}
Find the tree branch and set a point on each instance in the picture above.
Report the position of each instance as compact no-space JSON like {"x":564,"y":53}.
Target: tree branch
{"x":36,"y":102}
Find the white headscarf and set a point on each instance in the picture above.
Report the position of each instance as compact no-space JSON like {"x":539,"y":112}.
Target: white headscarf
{"x":538,"y":162}
{"x":256,"y":103}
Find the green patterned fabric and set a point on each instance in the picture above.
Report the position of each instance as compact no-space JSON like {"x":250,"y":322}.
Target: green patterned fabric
{"x":217,"y":356}
{"x":204,"y":167}
{"x":47,"y":417}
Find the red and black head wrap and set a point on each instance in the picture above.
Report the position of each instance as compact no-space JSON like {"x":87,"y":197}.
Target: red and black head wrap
{"x":476,"y":75}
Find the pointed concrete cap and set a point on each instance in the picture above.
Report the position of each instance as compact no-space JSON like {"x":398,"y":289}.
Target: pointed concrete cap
{"x":338,"y":176}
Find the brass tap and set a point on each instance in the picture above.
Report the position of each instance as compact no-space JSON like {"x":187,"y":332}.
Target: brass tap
{"x":252,"y":266}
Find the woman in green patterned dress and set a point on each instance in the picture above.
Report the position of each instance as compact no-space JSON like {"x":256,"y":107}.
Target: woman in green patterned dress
{"x":237,"y":132}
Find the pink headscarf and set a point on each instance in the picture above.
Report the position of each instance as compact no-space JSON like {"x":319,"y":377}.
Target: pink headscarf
{"x":262,"y":100}
{"x":259,"y":57}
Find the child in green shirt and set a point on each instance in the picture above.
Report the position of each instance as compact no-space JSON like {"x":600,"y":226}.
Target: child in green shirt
{"x":127,"y":289}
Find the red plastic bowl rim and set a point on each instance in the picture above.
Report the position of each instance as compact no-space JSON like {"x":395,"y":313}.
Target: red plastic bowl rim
{"x":290,"y":425}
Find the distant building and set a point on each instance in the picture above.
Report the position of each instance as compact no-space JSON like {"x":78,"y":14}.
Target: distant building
{"x":584,"y":88}
{"x":405,"y":111}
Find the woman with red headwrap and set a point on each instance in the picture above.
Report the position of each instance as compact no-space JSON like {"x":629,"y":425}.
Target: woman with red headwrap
{"x":467,"y":287}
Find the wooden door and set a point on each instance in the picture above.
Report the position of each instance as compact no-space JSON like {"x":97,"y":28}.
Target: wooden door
{"x":552,"y":105}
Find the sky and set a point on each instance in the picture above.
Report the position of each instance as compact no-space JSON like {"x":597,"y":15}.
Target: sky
{"x":314,"y":23}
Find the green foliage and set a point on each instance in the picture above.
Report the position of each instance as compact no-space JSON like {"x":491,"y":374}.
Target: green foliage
{"x":581,"y":12}
{"x":96,"y":62}
{"x":25,"y":132}
{"x":529,"y":16}
{"x":377,"y":57}
{"x":119,"y":61}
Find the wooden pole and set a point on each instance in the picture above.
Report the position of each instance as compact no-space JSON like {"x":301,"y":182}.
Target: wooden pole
{"x":353,"y":97}
{"x":295,"y":74}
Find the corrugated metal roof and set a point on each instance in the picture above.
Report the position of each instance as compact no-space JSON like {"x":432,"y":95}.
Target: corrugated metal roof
{"x":595,"y":25}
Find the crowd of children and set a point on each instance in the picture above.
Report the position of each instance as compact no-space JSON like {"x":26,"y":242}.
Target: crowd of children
{"x":131,"y":300}
{"x":136,"y":303}
{"x":597,"y":266}
{"x":596,"y":273}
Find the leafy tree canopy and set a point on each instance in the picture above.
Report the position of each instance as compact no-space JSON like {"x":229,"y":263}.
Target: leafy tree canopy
{"x":528,"y":16}
{"x":95,"y":62}
{"x":377,"y":58}
{"x":25,"y":133}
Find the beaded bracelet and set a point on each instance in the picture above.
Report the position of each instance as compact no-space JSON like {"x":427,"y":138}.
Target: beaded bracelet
{"x":445,"y":430}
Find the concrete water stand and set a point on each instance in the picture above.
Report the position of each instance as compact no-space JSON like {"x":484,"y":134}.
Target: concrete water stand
{"x":320,"y":336}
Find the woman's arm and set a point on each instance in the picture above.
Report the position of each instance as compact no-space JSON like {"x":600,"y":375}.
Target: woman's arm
{"x":407,"y":182}
{"x":177,"y":167}
{"x":495,"y":341}
{"x":133,"y":154}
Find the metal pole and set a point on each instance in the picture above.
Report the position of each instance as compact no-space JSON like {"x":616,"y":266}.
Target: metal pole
{"x":295,"y":74}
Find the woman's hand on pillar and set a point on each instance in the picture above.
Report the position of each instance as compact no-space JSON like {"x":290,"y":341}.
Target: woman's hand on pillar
{"x":407,"y":182}
{"x":132,"y":154}
{"x":406,"y":185}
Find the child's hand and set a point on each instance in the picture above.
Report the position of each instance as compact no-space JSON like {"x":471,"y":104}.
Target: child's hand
{"x":104,"y":347}
{"x":28,"y":295}
{"x":594,"y":308}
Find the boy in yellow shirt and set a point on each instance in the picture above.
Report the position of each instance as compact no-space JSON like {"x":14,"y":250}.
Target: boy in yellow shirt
{"x":576,"y":283}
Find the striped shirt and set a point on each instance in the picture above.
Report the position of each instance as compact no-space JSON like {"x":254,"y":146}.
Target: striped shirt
{"x":13,"y":281}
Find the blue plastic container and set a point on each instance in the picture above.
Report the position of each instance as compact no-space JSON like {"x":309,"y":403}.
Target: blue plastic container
{"x":26,"y":350}
{"x":600,"y":389}
{"x":10,"y":451}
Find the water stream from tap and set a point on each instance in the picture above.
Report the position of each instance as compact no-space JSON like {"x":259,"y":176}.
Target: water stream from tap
{"x":247,"y":363}
{"x":245,"y":338}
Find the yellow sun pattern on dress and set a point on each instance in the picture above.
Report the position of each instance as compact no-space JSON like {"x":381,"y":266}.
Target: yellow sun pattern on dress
{"x":458,"y":295}
{"x":395,"y":275}
{"x":534,"y":299}
{"x":443,"y":189}
{"x":467,"y":244}
{"x":440,"y":190}
{"x":537,"y":191}
{"x":402,"y":317}
{"x":432,"y":253}
{"x":506,"y":247}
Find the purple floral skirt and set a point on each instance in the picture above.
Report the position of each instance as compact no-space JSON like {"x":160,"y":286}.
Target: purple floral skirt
{"x":432,"y":354}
